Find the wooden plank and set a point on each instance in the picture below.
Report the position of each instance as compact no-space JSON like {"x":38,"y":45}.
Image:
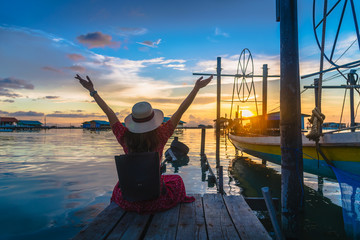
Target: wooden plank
{"x":246,"y":223}
{"x":164,"y":225}
{"x":191,"y":220}
{"x":131,"y":226}
{"x":102,"y":225}
{"x":218,"y":221}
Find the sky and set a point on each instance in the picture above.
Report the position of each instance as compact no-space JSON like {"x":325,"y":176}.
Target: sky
{"x":148,"y":50}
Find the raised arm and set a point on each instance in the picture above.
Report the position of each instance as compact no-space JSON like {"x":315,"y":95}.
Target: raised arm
{"x":200,"y":83}
{"x":87,"y":84}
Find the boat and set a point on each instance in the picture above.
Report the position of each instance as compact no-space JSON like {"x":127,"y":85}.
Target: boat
{"x":341,"y":148}
{"x":338,"y":148}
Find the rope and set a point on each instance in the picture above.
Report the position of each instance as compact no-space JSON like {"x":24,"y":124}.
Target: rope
{"x":317,"y":118}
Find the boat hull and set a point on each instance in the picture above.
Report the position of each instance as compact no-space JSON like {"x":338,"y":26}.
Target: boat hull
{"x":343,"y":149}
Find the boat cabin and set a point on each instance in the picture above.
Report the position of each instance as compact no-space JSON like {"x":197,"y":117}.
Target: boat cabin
{"x":180,"y":124}
{"x":255,"y":124}
{"x":28,"y":123}
{"x":95,"y":124}
{"x":7,"y":121}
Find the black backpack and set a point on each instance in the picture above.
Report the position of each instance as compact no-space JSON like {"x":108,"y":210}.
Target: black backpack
{"x":139,"y":176}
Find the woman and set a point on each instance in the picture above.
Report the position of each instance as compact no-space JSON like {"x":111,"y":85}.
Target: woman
{"x":144,"y":132}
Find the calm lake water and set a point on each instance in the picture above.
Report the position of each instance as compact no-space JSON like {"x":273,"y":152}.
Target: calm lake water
{"x":54,"y":182}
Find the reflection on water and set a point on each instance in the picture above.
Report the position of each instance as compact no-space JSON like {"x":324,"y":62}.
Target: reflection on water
{"x":54,"y":182}
{"x":322,"y":220}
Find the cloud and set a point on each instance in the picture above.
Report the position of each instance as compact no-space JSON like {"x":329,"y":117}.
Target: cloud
{"x":76,"y":57}
{"x":218,"y":32}
{"x":8,"y":93}
{"x":176,"y":66}
{"x":126,"y":32}
{"x":51,"y":69}
{"x":77,"y":68}
{"x":8,"y":100}
{"x":4,"y":112}
{"x":37,"y":33}
{"x":27,"y":114}
{"x":15,"y":83}
{"x":59,"y":114}
{"x":51,"y":97}
{"x":97,"y":39}
{"x":150,"y":43}
{"x":195,"y":121}
{"x":173,"y":100}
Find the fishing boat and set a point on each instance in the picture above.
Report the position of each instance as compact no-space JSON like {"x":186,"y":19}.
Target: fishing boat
{"x":339,"y":148}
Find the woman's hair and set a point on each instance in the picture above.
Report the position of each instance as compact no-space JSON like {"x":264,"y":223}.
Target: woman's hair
{"x":141,"y":142}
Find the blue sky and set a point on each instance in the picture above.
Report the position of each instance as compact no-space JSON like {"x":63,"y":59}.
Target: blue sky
{"x":143,"y":50}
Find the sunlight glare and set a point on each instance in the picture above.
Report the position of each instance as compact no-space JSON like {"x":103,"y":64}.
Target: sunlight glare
{"x":246,"y":113}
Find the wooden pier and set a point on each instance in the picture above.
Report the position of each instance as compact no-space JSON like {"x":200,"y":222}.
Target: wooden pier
{"x":213,"y":216}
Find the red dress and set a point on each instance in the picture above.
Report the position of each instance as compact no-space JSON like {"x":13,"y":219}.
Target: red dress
{"x":174,"y":184}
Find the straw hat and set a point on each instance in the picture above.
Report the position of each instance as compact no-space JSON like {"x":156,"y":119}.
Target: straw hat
{"x":143,"y":118}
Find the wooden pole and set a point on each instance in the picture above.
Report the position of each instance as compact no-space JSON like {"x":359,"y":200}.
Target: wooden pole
{"x":290,"y":123}
{"x":264,"y":98}
{"x":322,"y":55}
{"x":272,"y":212}
{"x":316,"y":85}
{"x":218,"y":99}
{"x":352,"y":82}
{"x":202,"y":151}
{"x":221,"y":180}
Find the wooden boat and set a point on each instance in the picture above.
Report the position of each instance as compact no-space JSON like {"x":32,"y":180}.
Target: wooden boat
{"x":342,"y":149}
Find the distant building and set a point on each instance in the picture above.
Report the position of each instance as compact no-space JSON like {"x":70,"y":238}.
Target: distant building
{"x":223,"y":122}
{"x":96,"y":124}
{"x":27,"y":123}
{"x":204,"y":126}
{"x":7,"y":121}
{"x":180,"y":124}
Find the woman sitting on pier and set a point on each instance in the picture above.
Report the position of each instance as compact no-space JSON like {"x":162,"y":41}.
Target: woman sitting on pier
{"x":144,"y":132}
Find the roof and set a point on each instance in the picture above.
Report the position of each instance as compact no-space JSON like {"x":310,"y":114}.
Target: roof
{"x":8,"y":119}
{"x":167,"y":119}
{"x":101,"y":122}
{"x":274,"y":116}
{"x":29,"y":122}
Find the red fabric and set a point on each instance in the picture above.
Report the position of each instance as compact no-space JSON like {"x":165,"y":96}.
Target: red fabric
{"x":174,"y":184}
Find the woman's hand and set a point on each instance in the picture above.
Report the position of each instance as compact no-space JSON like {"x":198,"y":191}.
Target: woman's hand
{"x":200,"y":83}
{"x":86,"y":84}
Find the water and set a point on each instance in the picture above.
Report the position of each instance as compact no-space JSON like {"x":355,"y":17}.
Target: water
{"x":54,"y":182}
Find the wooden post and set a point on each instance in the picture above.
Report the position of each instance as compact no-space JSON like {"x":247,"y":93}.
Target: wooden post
{"x":218,"y":72}
{"x":316,"y":85}
{"x":292,"y":193}
{"x":351,"y":80}
{"x":319,"y":95}
{"x":270,"y":206}
{"x":221,"y":180}
{"x":264,"y":99}
{"x":202,"y":151}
